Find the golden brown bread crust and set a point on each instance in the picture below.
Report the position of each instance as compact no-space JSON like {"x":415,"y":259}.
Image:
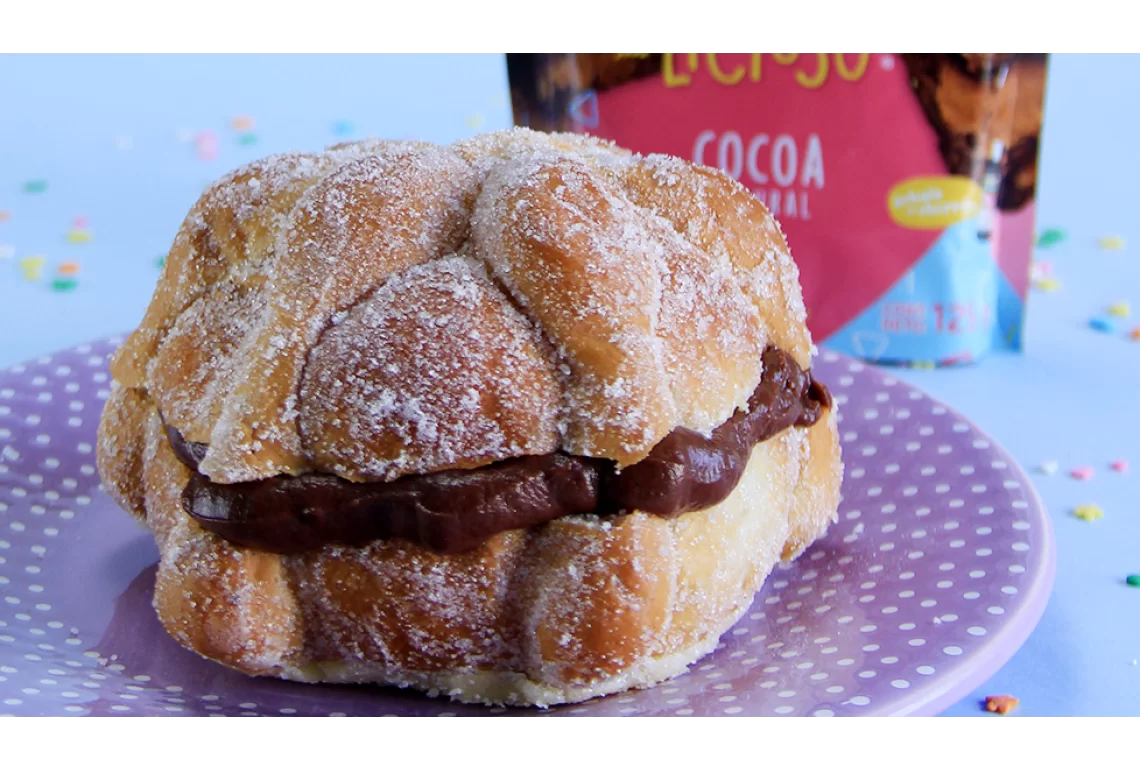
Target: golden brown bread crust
{"x":388,"y":308}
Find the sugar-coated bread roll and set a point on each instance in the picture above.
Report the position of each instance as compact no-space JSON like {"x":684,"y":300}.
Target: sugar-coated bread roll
{"x":526,"y":419}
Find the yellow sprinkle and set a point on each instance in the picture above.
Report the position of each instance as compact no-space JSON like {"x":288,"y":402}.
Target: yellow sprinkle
{"x":1049,"y":285}
{"x":475,"y":120}
{"x":79,"y":236}
{"x":922,"y":365}
{"x":1112,"y":242}
{"x":1088,"y":512}
{"x":1120,"y":309}
{"x":32,"y":262}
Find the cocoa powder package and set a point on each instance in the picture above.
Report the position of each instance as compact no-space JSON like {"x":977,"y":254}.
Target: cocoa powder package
{"x":904,"y":183}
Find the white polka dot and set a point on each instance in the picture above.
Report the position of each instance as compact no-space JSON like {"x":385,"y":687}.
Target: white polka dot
{"x":977,"y":573}
{"x":1010,"y":590}
{"x":971,"y":595}
{"x":925,"y":670}
{"x":782,"y":709}
{"x":1020,"y":546}
{"x":976,"y":631}
{"x":916,"y":642}
{"x":859,"y":700}
{"x":900,"y":684}
{"x":952,"y":650}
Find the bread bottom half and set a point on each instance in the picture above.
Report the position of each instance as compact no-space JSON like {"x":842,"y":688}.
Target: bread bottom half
{"x":581,"y":607}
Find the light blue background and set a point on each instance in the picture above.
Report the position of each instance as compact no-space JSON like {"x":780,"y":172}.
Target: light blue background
{"x":1071,"y":396}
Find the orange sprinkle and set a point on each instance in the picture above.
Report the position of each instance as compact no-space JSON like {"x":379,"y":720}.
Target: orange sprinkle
{"x":1001,"y":704}
{"x":69,"y":268}
{"x":1135,"y":333}
{"x":5,"y":216}
{"x":242,"y":123}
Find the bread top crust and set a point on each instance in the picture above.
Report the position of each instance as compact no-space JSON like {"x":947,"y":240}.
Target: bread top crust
{"x":389,"y":308}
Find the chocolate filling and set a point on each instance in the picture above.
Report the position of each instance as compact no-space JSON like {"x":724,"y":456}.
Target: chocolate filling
{"x":454,"y":511}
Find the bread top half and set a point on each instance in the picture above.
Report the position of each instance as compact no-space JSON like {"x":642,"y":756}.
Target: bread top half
{"x":386,"y":308}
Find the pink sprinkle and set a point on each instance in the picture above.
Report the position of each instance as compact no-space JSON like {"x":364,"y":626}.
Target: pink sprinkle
{"x":207,"y":153}
{"x":1084,"y":473}
{"x":79,"y":223}
{"x":206,"y":139}
{"x":1044,"y":267}
{"x":1120,"y":466}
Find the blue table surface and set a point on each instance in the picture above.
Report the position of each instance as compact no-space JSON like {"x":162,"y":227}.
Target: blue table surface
{"x":109,"y":135}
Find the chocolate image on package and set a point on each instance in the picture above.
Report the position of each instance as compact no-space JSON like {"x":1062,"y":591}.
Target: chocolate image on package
{"x":521,"y":420}
{"x":985,"y":106}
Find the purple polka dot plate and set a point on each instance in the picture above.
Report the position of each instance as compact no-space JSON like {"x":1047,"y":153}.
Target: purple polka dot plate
{"x":938,"y":569}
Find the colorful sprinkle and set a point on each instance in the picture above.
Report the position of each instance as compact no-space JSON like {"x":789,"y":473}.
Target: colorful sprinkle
{"x":1040,"y":269}
{"x":1083,"y":472}
{"x":63,"y":284}
{"x":7,"y":251}
{"x":1102,"y":325}
{"x":4,"y":216}
{"x":1134,"y":581}
{"x":1050,"y":237}
{"x":69,"y":268}
{"x":242,"y":123}
{"x":1049,"y":467}
{"x":1088,"y":512}
{"x":1120,"y":466}
{"x":1001,"y":704}
{"x":474,"y":120}
{"x":1120,"y":309}
{"x":160,"y":261}
{"x":1112,"y":243}
{"x":32,"y":267}
{"x":35,"y":186}
{"x":247,"y":139}
{"x":1048,"y":285}
{"x":79,"y":236}
{"x":80,"y":223}
{"x":342,"y":128}
{"x":1135,"y":333}
{"x":206,"y":144}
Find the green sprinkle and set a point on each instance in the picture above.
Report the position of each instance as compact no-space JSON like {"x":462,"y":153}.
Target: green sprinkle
{"x":160,"y":261}
{"x":34,"y":186}
{"x":1050,"y":238}
{"x":64,"y":284}
{"x":247,"y":139}
{"x":1133,"y":580}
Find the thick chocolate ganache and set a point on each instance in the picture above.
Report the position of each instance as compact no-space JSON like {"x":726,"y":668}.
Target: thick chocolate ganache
{"x":455,"y":511}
